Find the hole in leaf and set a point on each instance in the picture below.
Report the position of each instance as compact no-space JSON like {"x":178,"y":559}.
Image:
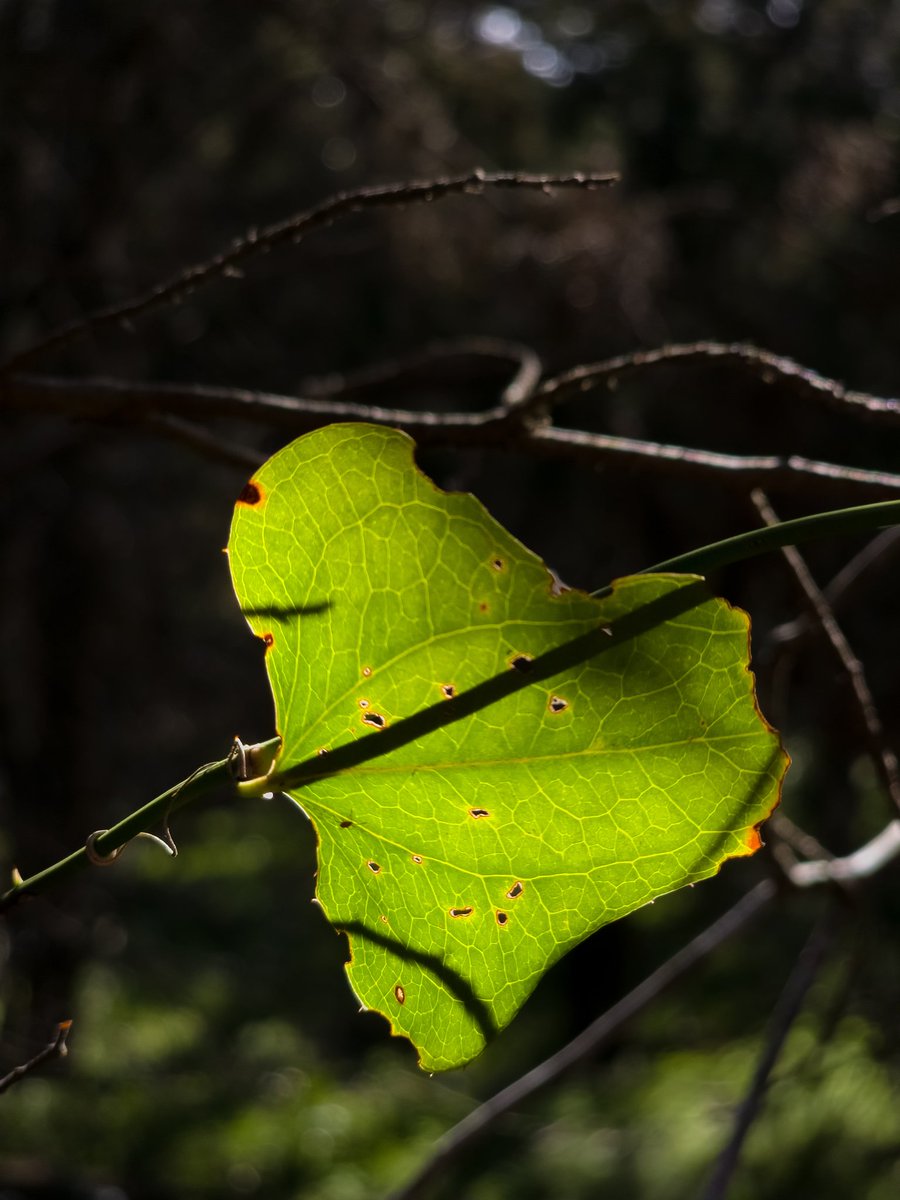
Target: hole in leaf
{"x":268,"y":640}
{"x":383,"y":919}
{"x":417,"y":859}
{"x":364,"y":703}
{"x":516,"y":890}
{"x":400,"y":994}
{"x":498,"y":564}
{"x":448,"y":691}
{"x":478,"y":812}
{"x":367,"y":671}
{"x":521,"y":662}
{"x":322,"y":750}
{"x":346,"y":824}
{"x":375,"y":719}
{"x":251,"y":494}
{"x":461,"y":912}
{"x":557,"y":704}
{"x":373,"y":867}
{"x":502,"y":918}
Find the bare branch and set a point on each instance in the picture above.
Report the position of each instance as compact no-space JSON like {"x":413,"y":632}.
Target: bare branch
{"x":791,"y":473}
{"x":761,"y":363}
{"x":788,"y":1008}
{"x":228,"y":262}
{"x":509,"y":426}
{"x":882,"y":755}
{"x":868,"y":860}
{"x":600,"y":1033}
{"x":56,"y":1048}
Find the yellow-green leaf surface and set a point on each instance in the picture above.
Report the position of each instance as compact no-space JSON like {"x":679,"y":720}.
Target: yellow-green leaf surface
{"x":495,"y":766}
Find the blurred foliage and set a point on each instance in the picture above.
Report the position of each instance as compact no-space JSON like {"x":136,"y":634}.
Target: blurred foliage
{"x":216,"y":1049}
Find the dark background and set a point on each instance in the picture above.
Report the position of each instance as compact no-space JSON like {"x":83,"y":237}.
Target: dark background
{"x":217,"y":1049}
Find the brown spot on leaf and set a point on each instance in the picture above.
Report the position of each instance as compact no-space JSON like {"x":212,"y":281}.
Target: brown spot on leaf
{"x":346,"y":824}
{"x":367,"y":671}
{"x":373,"y":867}
{"x":502,"y":918}
{"x":268,"y":640}
{"x":251,"y":494}
{"x":400,"y":994}
{"x":484,"y":607}
{"x":516,"y":890}
{"x":498,"y":564}
{"x":375,"y":719}
{"x":461,"y":912}
{"x":478,"y":812}
{"x":417,"y":859}
{"x":383,"y":919}
{"x":557,"y":704}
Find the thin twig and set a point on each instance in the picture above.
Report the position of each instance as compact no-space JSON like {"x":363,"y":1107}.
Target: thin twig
{"x":788,"y":1008}
{"x":761,"y":363}
{"x":508,"y":427}
{"x":882,"y":755}
{"x":600,"y":1033}
{"x":851,"y":578}
{"x":442,"y":363}
{"x":56,"y":1048}
{"x":255,"y":241}
{"x":203,"y":442}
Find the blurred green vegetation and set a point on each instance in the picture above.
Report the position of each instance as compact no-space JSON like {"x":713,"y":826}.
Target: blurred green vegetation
{"x":217,"y":1050}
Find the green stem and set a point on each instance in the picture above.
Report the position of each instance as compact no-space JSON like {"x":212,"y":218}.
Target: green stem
{"x":786,"y":533}
{"x":700,"y":562}
{"x":203,"y":780}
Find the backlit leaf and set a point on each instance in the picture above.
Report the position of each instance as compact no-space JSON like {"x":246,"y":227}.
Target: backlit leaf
{"x":495,"y":767}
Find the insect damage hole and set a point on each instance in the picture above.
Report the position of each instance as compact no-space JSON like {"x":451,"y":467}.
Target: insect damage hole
{"x":478,"y":812}
{"x":521,"y":662}
{"x":448,"y":691}
{"x":374,"y":719}
{"x":418,"y":859}
{"x":366,"y":672}
{"x":461,"y":912}
{"x":400,"y":994}
{"x":268,"y":640}
{"x":516,"y":890}
{"x":373,"y":867}
{"x":498,"y":564}
{"x":557,"y":704}
{"x":502,"y":918}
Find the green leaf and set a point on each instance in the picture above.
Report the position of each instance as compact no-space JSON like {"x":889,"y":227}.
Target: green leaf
{"x":495,"y":766}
